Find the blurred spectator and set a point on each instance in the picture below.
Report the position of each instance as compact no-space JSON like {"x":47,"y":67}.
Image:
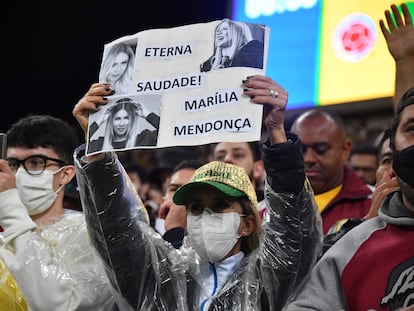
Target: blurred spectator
{"x":71,"y":199}
{"x":140,"y":180}
{"x":172,"y":219}
{"x":364,"y":162}
{"x":249,"y":156}
{"x":139,"y":177}
{"x":167,"y":159}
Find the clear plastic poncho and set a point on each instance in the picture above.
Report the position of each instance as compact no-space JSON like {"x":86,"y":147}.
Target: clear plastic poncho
{"x":55,"y":266}
{"x":152,"y":275}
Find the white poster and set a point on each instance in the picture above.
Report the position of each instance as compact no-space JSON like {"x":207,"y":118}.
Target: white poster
{"x":180,"y":86}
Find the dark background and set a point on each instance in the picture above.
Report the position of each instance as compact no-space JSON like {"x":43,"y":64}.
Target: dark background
{"x":53,"y":49}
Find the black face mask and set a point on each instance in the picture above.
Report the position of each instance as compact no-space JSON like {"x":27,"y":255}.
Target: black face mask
{"x":403,"y":164}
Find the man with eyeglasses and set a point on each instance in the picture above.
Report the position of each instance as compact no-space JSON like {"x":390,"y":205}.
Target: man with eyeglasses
{"x":46,"y":248}
{"x":36,"y":173}
{"x":339,"y":193}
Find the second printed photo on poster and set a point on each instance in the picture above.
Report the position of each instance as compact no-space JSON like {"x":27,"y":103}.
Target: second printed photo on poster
{"x":126,"y":122}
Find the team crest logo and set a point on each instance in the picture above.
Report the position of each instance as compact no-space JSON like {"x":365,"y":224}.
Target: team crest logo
{"x":354,"y":38}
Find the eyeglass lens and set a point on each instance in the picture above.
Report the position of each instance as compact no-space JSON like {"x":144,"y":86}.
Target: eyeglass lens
{"x":34,"y":165}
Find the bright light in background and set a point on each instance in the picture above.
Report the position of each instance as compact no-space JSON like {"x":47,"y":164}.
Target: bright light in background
{"x":256,"y":8}
{"x":325,"y":52}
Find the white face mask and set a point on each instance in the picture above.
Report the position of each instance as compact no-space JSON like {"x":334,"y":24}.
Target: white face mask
{"x":213,"y":235}
{"x":36,"y":191}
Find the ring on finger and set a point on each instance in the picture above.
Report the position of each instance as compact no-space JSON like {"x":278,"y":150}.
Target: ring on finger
{"x":273,"y":93}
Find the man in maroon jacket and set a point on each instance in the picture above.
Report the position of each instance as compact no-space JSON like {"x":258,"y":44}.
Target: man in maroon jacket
{"x":339,"y":192}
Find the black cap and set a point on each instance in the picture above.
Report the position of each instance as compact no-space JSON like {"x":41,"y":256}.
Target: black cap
{"x":406,"y":100}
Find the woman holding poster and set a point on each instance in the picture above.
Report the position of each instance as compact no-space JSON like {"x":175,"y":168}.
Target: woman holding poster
{"x":230,"y":259}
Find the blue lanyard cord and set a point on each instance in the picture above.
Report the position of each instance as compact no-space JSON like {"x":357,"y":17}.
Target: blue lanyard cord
{"x":214,"y":272}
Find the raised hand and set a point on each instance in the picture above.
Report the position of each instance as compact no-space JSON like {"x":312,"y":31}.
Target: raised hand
{"x":94,"y":97}
{"x":399,"y":35}
{"x":7,"y":178}
{"x":174,"y":215}
{"x":385,"y":186}
{"x":400,"y":41}
{"x":263,"y":90}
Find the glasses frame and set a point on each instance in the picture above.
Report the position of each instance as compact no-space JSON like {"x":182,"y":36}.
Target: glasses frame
{"x":61,"y":163}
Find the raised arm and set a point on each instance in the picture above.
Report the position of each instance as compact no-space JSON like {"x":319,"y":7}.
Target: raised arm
{"x":400,"y":41}
{"x":292,"y":230}
{"x":134,"y":254}
{"x":90,"y":102}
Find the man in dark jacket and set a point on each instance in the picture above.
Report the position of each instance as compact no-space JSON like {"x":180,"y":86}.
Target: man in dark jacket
{"x":339,"y":192}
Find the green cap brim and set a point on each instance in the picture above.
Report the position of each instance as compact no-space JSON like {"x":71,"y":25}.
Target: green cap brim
{"x":181,"y":193}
